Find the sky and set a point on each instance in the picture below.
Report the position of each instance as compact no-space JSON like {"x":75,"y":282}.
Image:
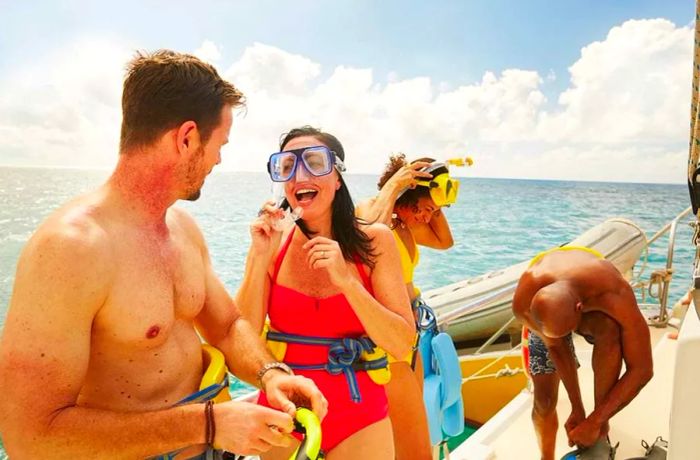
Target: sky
{"x":532,"y":89}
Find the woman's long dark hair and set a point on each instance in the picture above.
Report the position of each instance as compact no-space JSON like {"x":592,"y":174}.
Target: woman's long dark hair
{"x":345,"y":227}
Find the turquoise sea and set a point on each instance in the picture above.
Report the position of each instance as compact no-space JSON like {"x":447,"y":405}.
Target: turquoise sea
{"x":496,"y":222}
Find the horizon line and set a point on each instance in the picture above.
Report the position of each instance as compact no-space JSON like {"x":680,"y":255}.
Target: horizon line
{"x":97,"y":169}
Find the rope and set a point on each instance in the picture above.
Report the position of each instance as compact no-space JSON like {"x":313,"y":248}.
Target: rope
{"x":658,"y":278}
{"x":477,"y":375}
{"x":507,"y":371}
{"x":694,"y":148}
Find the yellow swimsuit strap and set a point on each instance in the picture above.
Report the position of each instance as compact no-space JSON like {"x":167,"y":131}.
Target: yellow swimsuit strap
{"x":407,"y":264}
{"x":539,"y":256}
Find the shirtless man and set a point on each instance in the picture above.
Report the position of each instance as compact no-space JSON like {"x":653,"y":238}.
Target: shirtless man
{"x":575,"y":290}
{"x":100,"y":342}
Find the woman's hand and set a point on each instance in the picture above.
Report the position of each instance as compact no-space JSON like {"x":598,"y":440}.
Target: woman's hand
{"x":265,"y":239}
{"x":407,"y":175}
{"x":324,"y":253}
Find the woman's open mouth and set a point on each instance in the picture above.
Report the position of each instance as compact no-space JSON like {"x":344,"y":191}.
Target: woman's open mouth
{"x":305,"y":195}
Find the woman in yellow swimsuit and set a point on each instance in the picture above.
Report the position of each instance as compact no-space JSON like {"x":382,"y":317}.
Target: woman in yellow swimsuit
{"x":405,"y":203}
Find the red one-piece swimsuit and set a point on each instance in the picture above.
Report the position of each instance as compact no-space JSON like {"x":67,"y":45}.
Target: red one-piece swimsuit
{"x":292,"y":312}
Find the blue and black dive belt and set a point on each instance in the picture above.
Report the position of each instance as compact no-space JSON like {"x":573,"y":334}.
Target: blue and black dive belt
{"x":344,"y":356}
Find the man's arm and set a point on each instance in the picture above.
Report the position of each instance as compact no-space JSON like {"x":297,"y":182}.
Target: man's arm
{"x":636,"y":352}
{"x":62,"y":280}
{"x":565,"y":363}
{"x":221,"y":324}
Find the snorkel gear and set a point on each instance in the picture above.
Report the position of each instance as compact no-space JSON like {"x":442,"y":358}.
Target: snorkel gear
{"x":308,"y":424}
{"x":466,"y":161}
{"x":318,"y":161}
{"x":290,"y":215}
{"x":443,"y":189}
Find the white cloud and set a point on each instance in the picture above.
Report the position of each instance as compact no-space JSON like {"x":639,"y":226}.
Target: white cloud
{"x":622,"y":117}
{"x":63,"y":110}
{"x":633,"y":86}
{"x":208,"y":52}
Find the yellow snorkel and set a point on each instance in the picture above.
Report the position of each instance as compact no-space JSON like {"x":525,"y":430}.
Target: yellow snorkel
{"x":443,"y":188}
{"x":307,"y":424}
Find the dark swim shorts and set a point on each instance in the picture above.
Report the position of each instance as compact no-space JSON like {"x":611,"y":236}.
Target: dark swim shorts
{"x":540,"y":362}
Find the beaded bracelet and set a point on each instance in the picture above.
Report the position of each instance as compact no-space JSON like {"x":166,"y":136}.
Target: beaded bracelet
{"x":211,"y":426}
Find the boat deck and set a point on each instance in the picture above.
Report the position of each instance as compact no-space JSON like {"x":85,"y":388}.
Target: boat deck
{"x":510,"y":433}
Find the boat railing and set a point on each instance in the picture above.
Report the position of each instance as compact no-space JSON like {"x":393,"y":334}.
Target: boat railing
{"x":662,"y":277}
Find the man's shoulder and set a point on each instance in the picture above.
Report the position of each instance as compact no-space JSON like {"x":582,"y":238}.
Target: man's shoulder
{"x":74,"y":227}
{"x":71,"y":248}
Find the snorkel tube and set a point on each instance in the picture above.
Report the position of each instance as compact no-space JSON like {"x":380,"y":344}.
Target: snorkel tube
{"x":466,"y":161}
{"x":307,"y":424}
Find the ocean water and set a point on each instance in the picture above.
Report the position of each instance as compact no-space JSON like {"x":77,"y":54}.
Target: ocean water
{"x":495,"y":223}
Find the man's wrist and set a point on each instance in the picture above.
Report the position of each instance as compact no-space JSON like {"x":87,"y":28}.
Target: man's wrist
{"x":273,"y":366}
{"x":596,"y":418}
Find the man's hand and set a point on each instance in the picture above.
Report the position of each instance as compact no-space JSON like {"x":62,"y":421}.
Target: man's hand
{"x":286,"y":391}
{"x":585,"y":434}
{"x":250,"y":429}
{"x":576,"y":417}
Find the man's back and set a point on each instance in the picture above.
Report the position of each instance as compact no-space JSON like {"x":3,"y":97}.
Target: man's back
{"x":594,"y":280}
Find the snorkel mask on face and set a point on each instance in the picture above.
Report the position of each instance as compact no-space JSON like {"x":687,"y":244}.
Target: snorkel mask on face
{"x":443,"y":188}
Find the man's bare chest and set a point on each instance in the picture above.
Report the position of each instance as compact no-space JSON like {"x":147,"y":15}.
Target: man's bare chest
{"x":156,"y":285}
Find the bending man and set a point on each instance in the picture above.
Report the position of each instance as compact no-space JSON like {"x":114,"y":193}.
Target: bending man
{"x":575,"y":290}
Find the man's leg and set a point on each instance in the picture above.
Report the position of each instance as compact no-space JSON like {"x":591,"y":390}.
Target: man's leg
{"x":546,"y":387}
{"x":607,"y":354}
{"x":544,"y":412}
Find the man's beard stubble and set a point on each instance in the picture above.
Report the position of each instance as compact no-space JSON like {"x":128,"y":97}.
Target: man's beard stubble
{"x":194,"y":196}
{"x":192,"y":173}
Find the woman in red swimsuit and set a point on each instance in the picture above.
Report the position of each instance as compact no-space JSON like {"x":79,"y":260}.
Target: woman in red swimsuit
{"x":329,"y":277}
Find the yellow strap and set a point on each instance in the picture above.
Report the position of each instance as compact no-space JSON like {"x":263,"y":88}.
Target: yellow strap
{"x":539,"y":256}
{"x":215,"y":371}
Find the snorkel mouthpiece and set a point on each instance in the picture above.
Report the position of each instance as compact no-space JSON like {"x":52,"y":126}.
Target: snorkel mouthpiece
{"x":308,"y":424}
{"x":290,"y":215}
